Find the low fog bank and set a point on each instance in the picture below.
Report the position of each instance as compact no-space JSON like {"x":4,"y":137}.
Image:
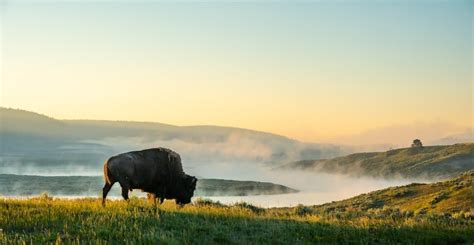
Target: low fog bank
{"x":30,"y":155}
{"x":298,"y":179}
{"x":32,"y":144}
{"x":235,"y":147}
{"x":87,"y":156}
{"x":236,"y":157}
{"x":315,"y":188}
{"x":66,"y":170}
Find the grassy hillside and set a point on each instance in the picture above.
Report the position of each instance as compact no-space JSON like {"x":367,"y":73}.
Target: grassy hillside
{"x":14,"y":185}
{"x":430,"y":161}
{"x":44,"y":219}
{"x":452,"y":196}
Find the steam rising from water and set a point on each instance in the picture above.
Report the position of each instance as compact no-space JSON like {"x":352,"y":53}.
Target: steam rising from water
{"x":315,"y":188}
{"x":236,"y":158}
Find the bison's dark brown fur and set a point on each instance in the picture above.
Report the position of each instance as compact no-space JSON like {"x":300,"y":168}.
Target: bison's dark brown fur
{"x":157,"y":171}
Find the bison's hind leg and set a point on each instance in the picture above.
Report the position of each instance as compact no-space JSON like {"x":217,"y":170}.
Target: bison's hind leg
{"x":105,"y":191}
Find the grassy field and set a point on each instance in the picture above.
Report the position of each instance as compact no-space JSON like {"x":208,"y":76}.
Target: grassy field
{"x":427,"y":162}
{"x":43,"y":219}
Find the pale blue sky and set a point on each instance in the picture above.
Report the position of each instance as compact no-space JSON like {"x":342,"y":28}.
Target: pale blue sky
{"x":307,"y":69}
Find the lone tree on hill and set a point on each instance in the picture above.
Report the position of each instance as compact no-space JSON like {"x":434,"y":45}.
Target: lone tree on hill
{"x":417,"y":144}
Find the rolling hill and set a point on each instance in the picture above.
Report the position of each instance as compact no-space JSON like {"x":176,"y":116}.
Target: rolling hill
{"x":427,"y":162}
{"x":30,"y":140}
{"x":451,"y":196}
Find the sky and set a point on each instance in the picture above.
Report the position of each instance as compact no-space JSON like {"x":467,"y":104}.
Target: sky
{"x":310,"y":70}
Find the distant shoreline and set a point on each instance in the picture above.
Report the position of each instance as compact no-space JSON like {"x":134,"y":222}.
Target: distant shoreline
{"x":91,"y":186}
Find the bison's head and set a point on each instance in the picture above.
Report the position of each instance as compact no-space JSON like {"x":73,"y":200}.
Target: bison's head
{"x":188,"y":185}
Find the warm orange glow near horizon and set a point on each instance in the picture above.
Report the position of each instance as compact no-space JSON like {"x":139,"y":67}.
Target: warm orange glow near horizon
{"x":313,"y":78}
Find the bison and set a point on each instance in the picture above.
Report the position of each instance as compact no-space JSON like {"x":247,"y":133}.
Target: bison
{"x":157,"y":171}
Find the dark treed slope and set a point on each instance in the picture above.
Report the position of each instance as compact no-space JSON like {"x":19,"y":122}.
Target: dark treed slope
{"x":14,"y":185}
{"x":429,"y":162}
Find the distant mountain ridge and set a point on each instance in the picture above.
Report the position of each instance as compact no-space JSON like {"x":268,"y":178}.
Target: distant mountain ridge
{"x":21,"y":121}
{"x":426,"y":162}
{"x":30,"y":140}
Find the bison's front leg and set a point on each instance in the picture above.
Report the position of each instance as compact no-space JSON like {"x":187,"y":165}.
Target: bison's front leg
{"x":160,"y":193}
{"x":125,"y":184}
{"x":125,"y":190}
{"x":179,"y":204}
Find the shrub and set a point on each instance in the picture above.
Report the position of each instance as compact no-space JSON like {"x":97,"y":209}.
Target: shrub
{"x":200,"y":202}
{"x":439,"y":197}
{"x":254,"y":209}
{"x":44,"y":196}
{"x":302,"y":210}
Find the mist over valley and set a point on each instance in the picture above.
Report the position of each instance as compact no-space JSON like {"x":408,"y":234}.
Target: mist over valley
{"x":232,"y":164}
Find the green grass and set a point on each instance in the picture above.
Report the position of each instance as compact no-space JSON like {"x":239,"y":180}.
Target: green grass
{"x":430,"y":161}
{"x":138,"y":222}
{"x":48,"y":220}
{"x":448,"y":197}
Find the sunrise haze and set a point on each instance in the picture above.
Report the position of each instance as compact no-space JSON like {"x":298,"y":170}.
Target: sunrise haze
{"x":311,"y":70}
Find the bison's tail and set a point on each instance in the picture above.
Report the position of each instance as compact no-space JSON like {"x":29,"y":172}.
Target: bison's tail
{"x":106,"y":172}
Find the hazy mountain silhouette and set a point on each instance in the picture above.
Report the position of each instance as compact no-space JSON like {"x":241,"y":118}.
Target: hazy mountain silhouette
{"x":30,"y":140}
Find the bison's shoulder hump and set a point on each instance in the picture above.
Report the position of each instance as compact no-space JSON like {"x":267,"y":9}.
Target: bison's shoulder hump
{"x":172,"y":155}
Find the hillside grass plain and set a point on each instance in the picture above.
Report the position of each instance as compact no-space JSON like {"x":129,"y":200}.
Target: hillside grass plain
{"x":423,"y":162}
{"x":43,"y":221}
{"x":451,"y":196}
{"x":49,"y":220}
